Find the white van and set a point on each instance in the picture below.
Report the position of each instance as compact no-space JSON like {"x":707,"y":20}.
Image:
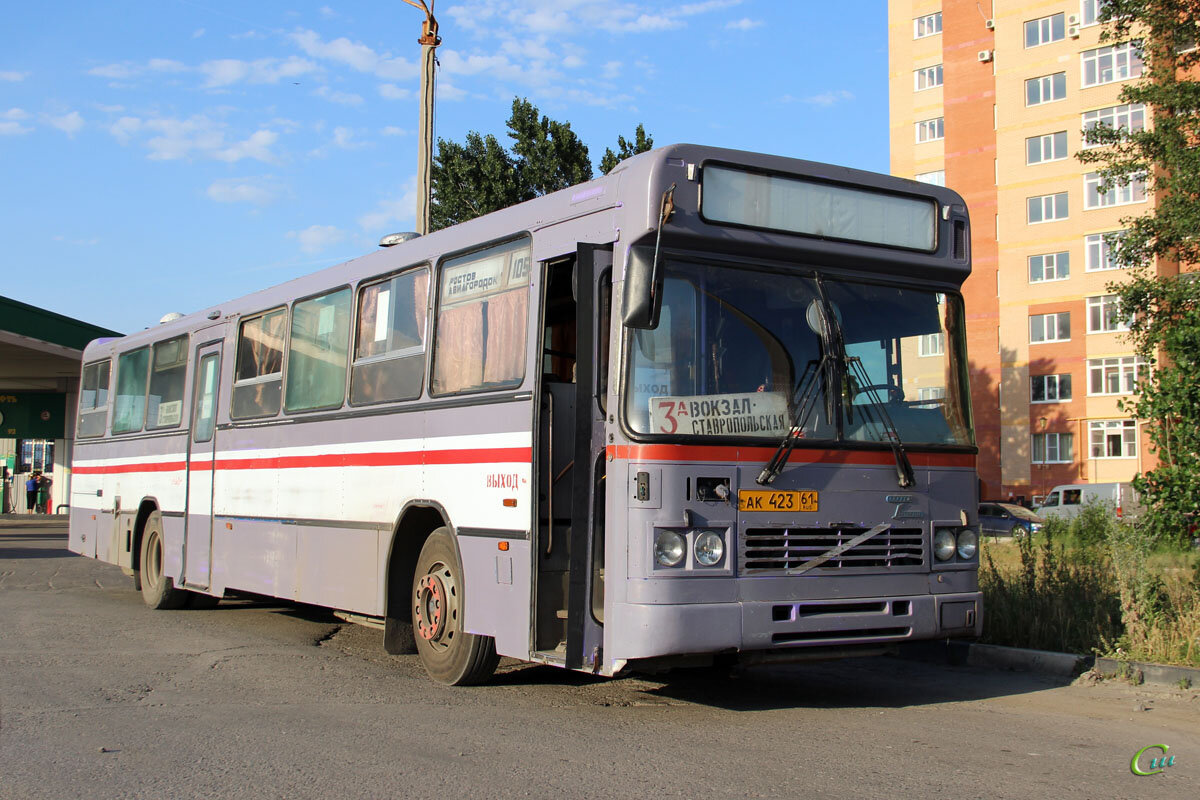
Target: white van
{"x":1068,"y":499}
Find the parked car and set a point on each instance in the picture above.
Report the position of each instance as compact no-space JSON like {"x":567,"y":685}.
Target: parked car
{"x":1007,"y":519}
{"x":1067,"y":500}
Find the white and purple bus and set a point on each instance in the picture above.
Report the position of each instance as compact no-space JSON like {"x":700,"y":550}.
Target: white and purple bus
{"x":711,"y":406}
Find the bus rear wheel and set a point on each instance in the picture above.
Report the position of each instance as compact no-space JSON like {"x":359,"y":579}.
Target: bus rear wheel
{"x":450,"y":655}
{"x":158,"y":590}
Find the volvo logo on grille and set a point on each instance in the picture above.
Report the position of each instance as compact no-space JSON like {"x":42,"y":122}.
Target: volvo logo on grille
{"x":902,"y":512}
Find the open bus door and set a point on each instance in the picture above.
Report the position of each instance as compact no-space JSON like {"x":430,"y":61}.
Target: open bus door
{"x":569,"y":587}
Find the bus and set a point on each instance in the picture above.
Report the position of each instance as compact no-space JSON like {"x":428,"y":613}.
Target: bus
{"x":710,"y":407}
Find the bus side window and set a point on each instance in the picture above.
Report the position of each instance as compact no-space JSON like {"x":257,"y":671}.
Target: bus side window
{"x":317,"y":352}
{"x":389,"y":344}
{"x":93,"y":400}
{"x":164,"y":408}
{"x":482,"y":317}
{"x":1071,"y":497}
{"x":258,"y":376}
{"x":129,"y":408}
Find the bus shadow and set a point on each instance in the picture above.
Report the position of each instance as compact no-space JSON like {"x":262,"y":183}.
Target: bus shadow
{"x":32,"y":552}
{"x":883,"y":682}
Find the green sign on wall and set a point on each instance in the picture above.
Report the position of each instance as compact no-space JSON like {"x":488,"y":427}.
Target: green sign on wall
{"x":32,"y":415}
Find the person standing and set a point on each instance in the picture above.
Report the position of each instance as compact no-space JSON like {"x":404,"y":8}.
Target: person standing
{"x":31,"y":491}
{"x":43,"y":493}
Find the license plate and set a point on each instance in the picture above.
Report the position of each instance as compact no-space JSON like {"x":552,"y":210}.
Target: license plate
{"x":757,"y":500}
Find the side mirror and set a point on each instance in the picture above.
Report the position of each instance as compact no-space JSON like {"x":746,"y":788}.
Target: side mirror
{"x":642,"y":298}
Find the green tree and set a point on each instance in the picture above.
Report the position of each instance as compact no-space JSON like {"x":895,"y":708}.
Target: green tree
{"x":480,"y":176}
{"x":473,"y":179}
{"x":641,"y":143}
{"x":1164,"y":306}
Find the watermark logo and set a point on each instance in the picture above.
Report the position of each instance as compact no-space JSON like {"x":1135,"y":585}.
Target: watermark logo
{"x":1156,"y":763}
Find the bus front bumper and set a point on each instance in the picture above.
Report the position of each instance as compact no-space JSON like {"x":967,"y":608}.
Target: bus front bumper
{"x":650,"y":630}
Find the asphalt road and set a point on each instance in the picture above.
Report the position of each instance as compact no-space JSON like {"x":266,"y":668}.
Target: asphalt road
{"x":102,"y":697}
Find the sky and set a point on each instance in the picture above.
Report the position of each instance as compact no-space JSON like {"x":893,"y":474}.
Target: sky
{"x":170,"y":155}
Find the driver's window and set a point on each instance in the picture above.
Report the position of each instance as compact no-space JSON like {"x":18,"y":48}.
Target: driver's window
{"x":664,"y":362}
{"x":1051,"y":500}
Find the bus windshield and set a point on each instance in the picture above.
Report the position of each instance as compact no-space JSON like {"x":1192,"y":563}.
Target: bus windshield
{"x":742,"y":353}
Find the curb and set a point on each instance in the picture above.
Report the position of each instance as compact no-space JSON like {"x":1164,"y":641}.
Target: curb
{"x":1159,"y":674}
{"x":1023,"y":660}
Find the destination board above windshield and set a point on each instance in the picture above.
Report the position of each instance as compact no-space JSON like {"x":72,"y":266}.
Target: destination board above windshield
{"x":812,"y":208}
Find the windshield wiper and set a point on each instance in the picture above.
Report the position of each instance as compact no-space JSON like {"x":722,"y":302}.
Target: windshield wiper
{"x":904,"y":469}
{"x":804,"y":403}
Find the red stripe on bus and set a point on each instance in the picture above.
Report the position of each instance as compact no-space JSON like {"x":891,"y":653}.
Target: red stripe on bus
{"x":497,"y":455}
{"x":113,"y":469}
{"x":672,"y":452}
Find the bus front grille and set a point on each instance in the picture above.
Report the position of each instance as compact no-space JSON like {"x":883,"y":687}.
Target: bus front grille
{"x":781,"y":549}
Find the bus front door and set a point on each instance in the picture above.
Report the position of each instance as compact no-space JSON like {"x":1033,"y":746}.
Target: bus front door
{"x":570,"y":542}
{"x":197,"y":551}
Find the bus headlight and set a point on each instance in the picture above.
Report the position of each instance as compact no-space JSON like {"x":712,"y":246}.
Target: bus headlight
{"x":710,"y":548}
{"x":669,"y":548}
{"x":944,"y":544}
{"x":968,"y":544}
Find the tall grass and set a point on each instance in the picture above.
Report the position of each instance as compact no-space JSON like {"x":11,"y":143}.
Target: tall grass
{"x":1095,"y":585}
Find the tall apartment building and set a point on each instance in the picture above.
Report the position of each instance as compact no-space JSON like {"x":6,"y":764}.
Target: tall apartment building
{"x":991,"y":100}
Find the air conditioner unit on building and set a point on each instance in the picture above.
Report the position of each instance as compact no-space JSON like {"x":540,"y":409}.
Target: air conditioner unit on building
{"x":984,"y":55}
{"x":990,"y":24}
{"x":1073,"y":19}
{"x":1073,"y":31}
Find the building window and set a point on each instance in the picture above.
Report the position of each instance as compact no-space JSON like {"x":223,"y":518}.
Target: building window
{"x":1050,"y":327}
{"x":1049,"y":388}
{"x":1117,"y":375}
{"x":937,"y":177}
{"x":929,"y":130}
{"x":1051,"y":147}
{"x":1113,"y":438}
{"x":1108,"y":64}
{"x":931,"y":344}
{"x":1046,"y":208}
{"x":1101,"y":248}
{"x":1129,"y":118}
{"x":927,"y":77}
{"x":1104,"y":315}
{"x":927,"y":25}
{"x":1045,"y":30}
{"x":1053,"y":448}
{"x":1049,"y":267}
{"x":1133,"y":191}
{"x":1089,"y":12}
{"x":1045,"y":89}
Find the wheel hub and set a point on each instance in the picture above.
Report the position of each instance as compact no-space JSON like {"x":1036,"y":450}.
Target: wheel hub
{"x":430,"y":608}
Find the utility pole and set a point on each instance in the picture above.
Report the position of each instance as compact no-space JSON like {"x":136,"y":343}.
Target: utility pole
{"x":429,"y":41}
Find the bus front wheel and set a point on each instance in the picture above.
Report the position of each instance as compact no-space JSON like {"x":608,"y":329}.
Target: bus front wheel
{"x":158,"y":590}
{"x":450,"y":655}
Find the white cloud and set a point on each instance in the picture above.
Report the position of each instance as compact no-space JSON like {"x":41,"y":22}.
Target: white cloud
{"x":572,"y":61}
{"x":327,"y":12}
{"x":15,"y":114}
{"x":355,"y":55}
{"x":118,"y":72}
{"x":70,"y":124}
{"x":743,"y":24}
{"x":824,"y":99}
{"x":257,"y":146}
{"x":196,"y":34}
{"x":392,"y":130}
{"x":165,"y":65}
{"x":451,"y":93}
{"x":13,"y":76}
{"x":170,"y":138}
{"x":228,"y":71}
{"x":124,"y":129}
{"x":393,"y":214}
{"x":344,"y":138}
{"x":611,"y":70}
{"x":13,"y":129}
{"x":341,"y":98}
{"x":390,"y":91}
{"x":512,"y":18}
{"x":316,"y":238}
{"x":256,"y":191}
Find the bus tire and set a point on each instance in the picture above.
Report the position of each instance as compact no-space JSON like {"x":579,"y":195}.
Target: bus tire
{"x":158,"y":590}
{"x":449,"y":654}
